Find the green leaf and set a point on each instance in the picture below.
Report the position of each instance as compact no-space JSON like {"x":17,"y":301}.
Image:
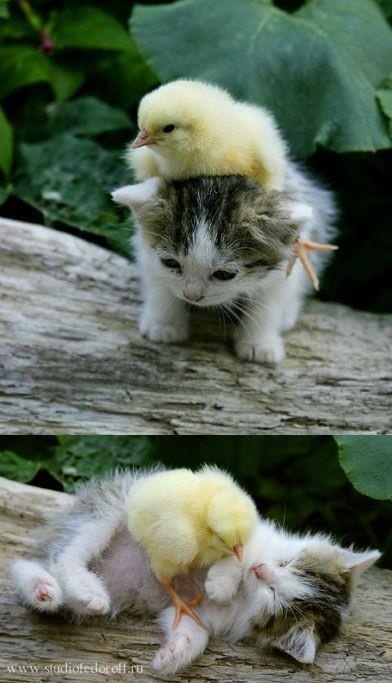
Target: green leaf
{"x":13,"y":466}
{"x":123,"y":78}
{"x":87,"y":456}
{"x":86,"y":116}
{"x":385,"y":98}
{"x":386,"y":6}
{"x":65,"y":78}
{"x":88,"y":28}
{"x":21,"y":65}
{"x":367,"y":461}
{"x":317,"y":69}
{"x":6,"y":144}
{"x":70,"y":179}
{"x":4,"y":11}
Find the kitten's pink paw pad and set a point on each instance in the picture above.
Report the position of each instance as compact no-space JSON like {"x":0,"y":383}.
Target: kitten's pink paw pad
{"x":45,"y":591}
{"x":96,"y":604}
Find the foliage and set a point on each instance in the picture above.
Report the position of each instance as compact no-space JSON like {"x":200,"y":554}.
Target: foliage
{"x":72,"y":73}
{"x":330,"y":75}
{"x":295,"y":480}
{"x":368,"y":464}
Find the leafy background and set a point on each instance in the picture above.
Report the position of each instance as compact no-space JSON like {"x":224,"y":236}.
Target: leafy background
{"x":72,"y":73}
{"x":341,"y":484}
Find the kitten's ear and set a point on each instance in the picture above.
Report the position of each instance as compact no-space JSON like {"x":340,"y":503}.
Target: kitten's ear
{"x":296,"y":212}
{"x":300,"y":642}
{"x":137,"y":196}
{"x":357,"y":563}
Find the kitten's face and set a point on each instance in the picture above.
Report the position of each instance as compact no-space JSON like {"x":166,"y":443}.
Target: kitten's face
{"x":214,"y":239}
{"x":303,"y":594}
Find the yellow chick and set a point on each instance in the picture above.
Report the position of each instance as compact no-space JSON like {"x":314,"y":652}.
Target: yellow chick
{"x":186,"y":519}
{"x":190,"y":128}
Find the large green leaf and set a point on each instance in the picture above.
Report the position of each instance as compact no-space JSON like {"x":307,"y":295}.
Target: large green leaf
{"x":367,"y":461}
{"x":21,"y":65}
{"x":6,"y":144}
{"x":317,"y":69}
{"x":86,"y":116}
{"x":87,"y":27}
{"x":70,"y":179}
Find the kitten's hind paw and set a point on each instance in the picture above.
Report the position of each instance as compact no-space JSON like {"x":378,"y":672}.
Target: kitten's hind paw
{"x":47,"y":595}
{"x":160,"y":331}
{"x":96,"y":604}
{"x":174,"y":656}
{"x":269,"y":350}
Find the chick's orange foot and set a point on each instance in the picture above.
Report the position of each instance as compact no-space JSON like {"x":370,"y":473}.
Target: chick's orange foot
{"x":183,"y":607}
{"x":301,"y":247}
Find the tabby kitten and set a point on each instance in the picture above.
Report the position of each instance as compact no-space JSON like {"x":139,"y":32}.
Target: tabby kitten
{"x":291,"y":592}
{"x":225,"y":242}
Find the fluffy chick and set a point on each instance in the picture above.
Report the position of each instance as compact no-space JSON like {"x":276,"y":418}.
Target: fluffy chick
{"x":190,"y":128}
{"x":186,"y":519}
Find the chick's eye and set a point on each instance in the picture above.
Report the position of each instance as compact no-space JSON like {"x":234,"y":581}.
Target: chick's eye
{"x":169,"y":128}
{"x":170,"y":263}
{"x":224,"y":275}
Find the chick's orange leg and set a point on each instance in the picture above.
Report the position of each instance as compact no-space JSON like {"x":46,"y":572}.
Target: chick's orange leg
{"x":183,"y":607}
{"x":300,"y":252}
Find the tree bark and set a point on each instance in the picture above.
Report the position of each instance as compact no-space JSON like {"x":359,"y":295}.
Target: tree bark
{"x":362,"y":653}
{"x":73,"y":360}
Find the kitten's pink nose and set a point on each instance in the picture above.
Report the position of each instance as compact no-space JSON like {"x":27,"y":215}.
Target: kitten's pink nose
{"x":193,"y":292}
{"x":262,"y":571}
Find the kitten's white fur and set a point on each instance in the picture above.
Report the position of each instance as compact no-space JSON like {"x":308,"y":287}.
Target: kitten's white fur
{"x":273,"y":303}
{"x":92,"y":566}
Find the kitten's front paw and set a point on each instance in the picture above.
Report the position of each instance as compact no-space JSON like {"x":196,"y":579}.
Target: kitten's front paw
{"x":268,"y":350}
{"x":174,"y":656}
{"x":218,"y":586}
{"x":47,"y":594}
{"x":160,"y":331}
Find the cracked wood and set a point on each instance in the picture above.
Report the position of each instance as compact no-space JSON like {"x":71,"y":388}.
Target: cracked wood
{"x":73,"y":360}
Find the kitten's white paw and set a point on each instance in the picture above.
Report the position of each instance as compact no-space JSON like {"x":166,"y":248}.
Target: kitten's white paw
{"x":218,"y":586}
{"x":160,"y":331}
{"x":174,"y":656}
{"x":268,"y":350}
{"x":96,"y":603}
{"x":47,"y":594}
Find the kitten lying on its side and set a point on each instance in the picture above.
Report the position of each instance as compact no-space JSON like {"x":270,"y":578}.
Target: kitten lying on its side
{"x":225,"y":242}
{"x":293,"y":591}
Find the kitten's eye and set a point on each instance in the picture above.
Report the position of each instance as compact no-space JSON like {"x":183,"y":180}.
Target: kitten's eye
{"x":224,"y":275}
{"x":284,"y":564}
{"x":170,"y":263}
{"x":169,"y":128}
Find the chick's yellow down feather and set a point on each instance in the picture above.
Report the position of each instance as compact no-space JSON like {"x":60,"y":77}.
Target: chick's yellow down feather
{"x":191,"y":128}
{"x":186,"y":519}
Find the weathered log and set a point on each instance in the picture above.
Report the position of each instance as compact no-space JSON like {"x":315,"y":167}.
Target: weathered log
{"x":362,"y":653}
{"x":73,"y":360}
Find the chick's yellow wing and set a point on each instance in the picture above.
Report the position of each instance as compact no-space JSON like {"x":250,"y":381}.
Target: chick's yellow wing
{"x":173,"y":548}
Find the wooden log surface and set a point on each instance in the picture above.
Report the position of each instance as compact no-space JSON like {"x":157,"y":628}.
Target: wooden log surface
{"x":362,"y":653}
{"x":73,"y":361}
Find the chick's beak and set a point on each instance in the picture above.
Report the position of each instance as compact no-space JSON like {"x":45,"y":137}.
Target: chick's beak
{"x":143,"y":138}
{"x":238,"y":550}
